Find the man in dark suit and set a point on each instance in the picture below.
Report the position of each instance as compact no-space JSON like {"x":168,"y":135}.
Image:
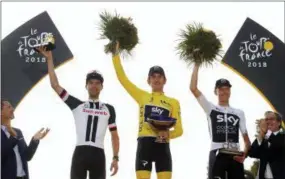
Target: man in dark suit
{"x":269,"y":147}
{"x":15,"y":153}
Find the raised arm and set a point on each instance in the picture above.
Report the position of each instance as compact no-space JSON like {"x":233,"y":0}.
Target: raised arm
{"x":194,"y":82}
{"x":52,"y":75}
{"x":176,"y":113}
{"x":71,"y":101}
{"x":202,"y":100}
{"x":131,"y":88}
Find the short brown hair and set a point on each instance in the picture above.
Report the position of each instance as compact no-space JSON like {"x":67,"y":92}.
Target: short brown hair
{"x":94,"y":75}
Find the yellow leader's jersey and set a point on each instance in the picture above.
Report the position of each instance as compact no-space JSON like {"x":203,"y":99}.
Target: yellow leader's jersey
{"x":150,"y":103}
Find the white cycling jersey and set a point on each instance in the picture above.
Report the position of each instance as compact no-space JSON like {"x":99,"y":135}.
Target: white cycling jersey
{"x":224,"y":123}
{"x":92,"y":118}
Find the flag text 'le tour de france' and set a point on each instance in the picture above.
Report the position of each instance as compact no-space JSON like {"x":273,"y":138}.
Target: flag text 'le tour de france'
{"x":259,"y":57}
{"x":21,"y":66}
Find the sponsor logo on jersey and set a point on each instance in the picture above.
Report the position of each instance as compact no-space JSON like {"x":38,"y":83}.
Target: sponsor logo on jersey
{"x":224,"y":125}
{"x":101,"y":106}
{"x":95,"y":112}
{"x":226,"y":130}
{"x":165,"y":103}
{"x":157,"y":110}
{"x":141,"y":115}
{"x":86,"y":105}
{"x":150,"y":110}
{"x":230,"y":119}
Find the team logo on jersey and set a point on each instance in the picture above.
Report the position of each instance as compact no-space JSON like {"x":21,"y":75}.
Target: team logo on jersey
{"x":229,"y":119}
{"x":224,"y":125}
{"x":86,"y":105}
{"x":155,"y":110}
{"x":101,"y":106}
{"x":165,"y":103}
{"x":95,"y":112}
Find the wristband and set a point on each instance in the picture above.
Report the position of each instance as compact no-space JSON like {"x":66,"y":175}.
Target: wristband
{"x":116,"y":158}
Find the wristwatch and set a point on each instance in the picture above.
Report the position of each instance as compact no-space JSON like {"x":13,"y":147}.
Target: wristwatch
{"x":116,"y":158}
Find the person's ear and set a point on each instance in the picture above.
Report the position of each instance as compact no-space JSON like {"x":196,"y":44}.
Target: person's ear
{"x":164,"y":81}
{"x":148,"y":80}
{"x":215,"y":92}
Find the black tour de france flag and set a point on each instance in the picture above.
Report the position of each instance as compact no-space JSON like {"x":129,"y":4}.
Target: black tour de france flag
{"x":259,"y":57}
{"x":21,"y":67}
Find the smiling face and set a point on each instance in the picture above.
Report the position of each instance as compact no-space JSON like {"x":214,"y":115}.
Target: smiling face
{"x":94,"y":87}
{"x":272,"y":122}
{"x":157,"y":82}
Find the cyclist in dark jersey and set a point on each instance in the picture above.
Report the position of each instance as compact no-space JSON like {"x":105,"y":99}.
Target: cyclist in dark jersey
{"x":92,"y":118}
{"x":225,"y":122}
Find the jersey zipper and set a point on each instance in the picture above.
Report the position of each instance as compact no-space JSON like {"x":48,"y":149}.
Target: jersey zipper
{"x":226,"y":119}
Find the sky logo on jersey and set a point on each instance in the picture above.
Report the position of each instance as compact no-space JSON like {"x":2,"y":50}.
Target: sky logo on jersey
{"x":95,"y":112}
{"x":224,"y":125}
{"x":150,"y":110}
{"x":157,"y":110}
{"x":230,"y":119}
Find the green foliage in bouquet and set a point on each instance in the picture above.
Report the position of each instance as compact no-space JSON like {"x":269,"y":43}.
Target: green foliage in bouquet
{"x":197,"y":45}
{"x":248,"y":174}
{"x":117,"y":28}
{"x":254,"y":168}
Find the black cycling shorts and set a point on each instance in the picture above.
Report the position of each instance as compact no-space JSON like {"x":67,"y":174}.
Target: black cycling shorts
{"x":149,"y":151}
{"x":91,"y":159}
{"x":223,"y":165}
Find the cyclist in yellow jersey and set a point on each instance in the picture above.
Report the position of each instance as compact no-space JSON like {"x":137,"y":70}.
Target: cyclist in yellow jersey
{"x":157,"y":103}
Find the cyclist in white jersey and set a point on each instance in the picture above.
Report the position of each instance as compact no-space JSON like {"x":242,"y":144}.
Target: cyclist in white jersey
{"x":92,"y":118}
{"x":224,"y":122}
